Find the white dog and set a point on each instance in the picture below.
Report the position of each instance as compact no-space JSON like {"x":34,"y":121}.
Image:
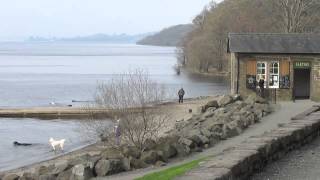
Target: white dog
{"x":55,"y":143}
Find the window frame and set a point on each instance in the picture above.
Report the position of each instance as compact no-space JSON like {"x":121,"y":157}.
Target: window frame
{"x":273,"y":74}
{"x":265,"y":74}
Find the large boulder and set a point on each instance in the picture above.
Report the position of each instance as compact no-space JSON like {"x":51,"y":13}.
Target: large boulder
{"x":150,"y":157}
{"x":252,"y":99}
{"x":187,"y":142}
{"x":106,"y":167}
{"x":214,"y":140}
{"x":81,"y":172}
{"x":262,"y":110}
{"x":149,"y":144}
{"x":42,"y":170}
{"x":168,"y":150}
{"x":179,"y":125}
{"x":111,"y":153}
{"x":199,"y":139}
{"x":225,"y":100}
{"x":83,"y":159}
{"x":60,"y":166}
{"x":206,"y":132}
{"x":210,"y":104}
{"x":209,"y":112}
{"x":125,"y":164}
{"x":230,"y":130}
{"x":64,"y":175}
{"x":10,"y":177}
{"x":162,"y":157}
{"x":131,"y":151}
{"x":220,"y":112}
{"x":182,"y":149}
{"x":204,"y":140}
{"x":239,"y":104}
{"x":225,"y":118}
{"x":160,"y":164}
{"x":252,"y":118}
{"x":102,"y":168}
{"x":47,"y":177}
{"x":28,"y":176}
{"x":217,"y":129}
{"x":137,"y":163}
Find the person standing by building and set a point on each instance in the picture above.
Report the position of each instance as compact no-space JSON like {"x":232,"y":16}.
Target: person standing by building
{"x":181,"y":94}
{"x":261,"y":86}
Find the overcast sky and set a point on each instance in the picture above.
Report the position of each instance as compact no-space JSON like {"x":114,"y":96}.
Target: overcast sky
{"x":65,"y":18}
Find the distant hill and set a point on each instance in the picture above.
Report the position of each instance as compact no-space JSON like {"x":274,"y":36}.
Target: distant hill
{"x":171,"y":36}
{"x":105,"y":38}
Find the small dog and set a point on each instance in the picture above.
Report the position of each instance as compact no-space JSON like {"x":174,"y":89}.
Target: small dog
{"x":55,"y":143}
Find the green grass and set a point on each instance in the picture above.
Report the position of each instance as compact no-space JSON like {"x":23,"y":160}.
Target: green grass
{"x":173,"y":172}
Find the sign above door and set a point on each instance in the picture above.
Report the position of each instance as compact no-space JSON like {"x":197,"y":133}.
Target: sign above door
{"x":301,"y":65}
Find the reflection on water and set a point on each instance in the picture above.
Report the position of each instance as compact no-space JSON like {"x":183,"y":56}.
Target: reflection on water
{"x":38,"y":133}
{"x":37,"y":74}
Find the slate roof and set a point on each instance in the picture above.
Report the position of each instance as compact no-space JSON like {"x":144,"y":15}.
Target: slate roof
{"x":274,"y":43}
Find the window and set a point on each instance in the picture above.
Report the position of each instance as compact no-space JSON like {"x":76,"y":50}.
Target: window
{"x":261,"y":71}
{"x":274,"y":75}
{"x":269,"y":72}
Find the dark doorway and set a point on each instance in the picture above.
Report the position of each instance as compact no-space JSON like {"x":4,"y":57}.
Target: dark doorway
{"x":302,"y":83}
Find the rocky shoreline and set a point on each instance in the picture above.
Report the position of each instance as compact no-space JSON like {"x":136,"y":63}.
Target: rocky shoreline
{"x":216,"y":121}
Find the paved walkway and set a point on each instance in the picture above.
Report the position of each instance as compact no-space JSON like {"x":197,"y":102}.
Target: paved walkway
{"x":284,"y":112}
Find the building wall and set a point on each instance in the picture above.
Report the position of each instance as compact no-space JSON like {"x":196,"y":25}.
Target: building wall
{"x":243,"y":90}
{"x":315,"y":80}
{"x":281,"y":94}
{"x":234,"y":72}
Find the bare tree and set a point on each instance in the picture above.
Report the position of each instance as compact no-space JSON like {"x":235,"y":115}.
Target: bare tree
{"x":131,"y":97}
{"x":297,"y":14}
{"x":200,"y":19}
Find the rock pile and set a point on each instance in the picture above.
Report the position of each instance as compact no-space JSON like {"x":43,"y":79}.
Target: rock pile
{"x":218,"y":120}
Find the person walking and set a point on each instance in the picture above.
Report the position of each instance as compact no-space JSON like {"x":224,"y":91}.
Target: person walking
{"x":261,"y":86}
{"x":181,"y":94}
{"x":117,"y":132}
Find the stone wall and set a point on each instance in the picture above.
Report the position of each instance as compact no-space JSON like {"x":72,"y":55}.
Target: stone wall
{"x":233,"y":75}
{"x":253,"y":154}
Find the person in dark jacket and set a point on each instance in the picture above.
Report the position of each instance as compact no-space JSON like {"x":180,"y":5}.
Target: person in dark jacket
{"x":261,"y":86}
{"x":181,"y":94}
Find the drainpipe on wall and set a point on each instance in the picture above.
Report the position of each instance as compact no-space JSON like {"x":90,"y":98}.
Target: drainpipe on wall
{"x":238,"y":73}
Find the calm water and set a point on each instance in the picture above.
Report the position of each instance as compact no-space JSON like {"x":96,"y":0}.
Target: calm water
{"x":37,"y":74}
{"x":37,"y":132}
{"x":40,"y":73}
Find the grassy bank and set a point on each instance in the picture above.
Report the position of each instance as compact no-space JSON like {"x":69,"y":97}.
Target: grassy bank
{"x":173,"y":172}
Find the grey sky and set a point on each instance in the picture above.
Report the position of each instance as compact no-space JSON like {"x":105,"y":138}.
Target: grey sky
{"x":65,"y":18}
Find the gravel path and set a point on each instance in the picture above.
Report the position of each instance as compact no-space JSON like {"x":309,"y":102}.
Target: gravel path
{"x":284,"y":111}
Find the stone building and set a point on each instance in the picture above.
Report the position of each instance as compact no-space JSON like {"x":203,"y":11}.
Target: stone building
{"x":288,"y":63}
